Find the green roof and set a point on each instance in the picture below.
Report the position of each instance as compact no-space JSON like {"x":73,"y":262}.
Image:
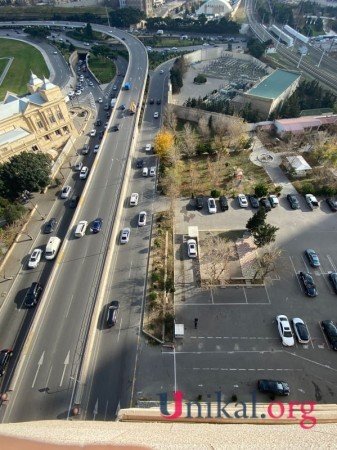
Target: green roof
{"x":274,"y":84}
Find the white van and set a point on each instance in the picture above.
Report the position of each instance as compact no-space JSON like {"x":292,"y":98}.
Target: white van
{"x":52,"y":247}
{"x":80,"y":229}
{"x":145,"y":171}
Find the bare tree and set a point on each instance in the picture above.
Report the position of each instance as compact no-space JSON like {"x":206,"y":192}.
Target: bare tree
{"x":193,"y":178}
{"x":203,"y":127}
{"x":220,"y":125}
{"x":189,"y":141}
{"x":174,"y":155}
{"x":171,"y":183}
{"x":266,"y":260}
{"x":170,"y":119}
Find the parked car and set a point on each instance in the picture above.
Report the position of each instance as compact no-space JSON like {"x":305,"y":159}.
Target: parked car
{"x":254,"y":201}
{"x":148,"y":147}
{"x":35,"y":258}
{"x":152,"y":171}
{"x":142,"y":219}
{"x":145,"y":171}
{"x":100,"y":100}
{"x":265,"y":203}
{"x":242,"y":199}
{"x":332,"y":204}
{"x":50,"y":225}
{"x":311,"y":201}
{"x":125,"y":236}
{"x":156,"y":115}
{"x":308,"y":284}
{"x":333,"y":280}
{"x":223,"y":203}
{"x":211,"y":205}
{"x":273,"y":387}
{"x":65,"y":191}
{"x":84,"y":172}
{"x":284,"y":330}
{"x":96,"y":148}
{"x":312,"y":257}
{"x":192,"y":249}
{"x":199,"y":202}
{"x":97,"y":225}
{"x":301,"y":331}
{"x":134,"y":199}
{"x":93,"y":133}
{"x":115,"y":127}
{"x":292,"y":199}
{"x":111,"y":319}
{"x":33,"y":294}
{"x":5,"y":356}
{"x":78,"y":166}
{"x":273,"y":200}
{"x":140,"y":163}
{"x":74,"y":201}
{"x":330,"y":331}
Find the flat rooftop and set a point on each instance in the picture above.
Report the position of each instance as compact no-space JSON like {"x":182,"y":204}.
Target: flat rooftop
{"x":274,"y":84}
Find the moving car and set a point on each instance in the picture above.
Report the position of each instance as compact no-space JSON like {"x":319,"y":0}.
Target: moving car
{"x":223,"y":203}
{"x":312,"y":257}
{"x":140,"y":163}
{"x":97,"y":225}
{"x":114,"y":87}
{"x":81,"y":228}
{"x":134,"y":199}
{"x":156,"y":115}
{"x":33,"y":294}
{"x":74,"y":201}
{"x":100,"y":100}
{"x":50,"y":225}
{"x":5,"y":356}
{"x":93,"y":133}
{"x":333,"y":280}
{"x":301,"y":331}
{"x":242,"y":199}
{"x":84,"y":172}
{"x":142,"y":219}
{"x":273,"y":387}
{"x":265,"y":203}
{"x":96,"y":148}
{"x":211,"y":205}
{"x":330,"y":331}
{"x":284,"y":330}
{"x":308,"y":284}
{"x":65,"y":191}
{"x":192,"y":250}
{"x":273,"y":200}
{"x":35,"y":258}
{"x":86,"y":149}
{"x":52,"y":247}
{"x":158,"y":101}
{"x":292,"y":199}
{"x":199,"y":202}
{"x":125,"y":236}
{"x":152,"y":171}
{"x":112,"y":313}
{"x":254,"y":201}
{"x":148,"y":147}
{"x":332,"y":204}
{"x":151,"y":101}
{"x":98,"y":122}
{"x":161,"y":71}
{"x":78,"y":165}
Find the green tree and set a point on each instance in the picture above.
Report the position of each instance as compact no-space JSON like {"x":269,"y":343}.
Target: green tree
{"x":265,"y":234}
{"x":125,"y":17}
{"x":88,"y":31}
{"x":261,"y":190}
{"x":37,"y":32}
{"x":257,"y":220}
{"x":11,"y":212}
{"x":200,"y":79}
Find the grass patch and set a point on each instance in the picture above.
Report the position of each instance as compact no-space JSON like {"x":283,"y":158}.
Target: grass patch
{"x":103,"y":68}
{"x":159,"y":42}
{"x":26,"y":58}
{"x":80,"y":36}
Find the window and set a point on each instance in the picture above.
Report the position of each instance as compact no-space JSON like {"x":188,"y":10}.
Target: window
{"x":35,"y":148}
{"x":52,"y":119}
{"x":58,"y":132}
{"x":60,"y":115}
{"x":39,"y":124}
{"x":65,"y":129}
{"x":47,"y":138}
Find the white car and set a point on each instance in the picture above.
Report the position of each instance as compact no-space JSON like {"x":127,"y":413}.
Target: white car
{"x":55,"y":53}
{"x":192,"y":248}
{"x":174,"y":49}
{"x":71,"y":94}
{"x":145,"y":171}
{"x":273,"y":200}
{"x":96,"y":148}
{"x":87,"y":44}
{"x":114,"y":88}
{"x":78,"y":165}
{"x":35,"y":258}
{"x":243,"y":202}
{"x":125,"y":236}
{"x":211,"y":205}
{"x":301,"y":331}
{"x":84,"y":172}
{"x":78,"y":92}
{"x":156,"y":115}
{"x":91,"y":83}
{"x":93,"y":132}
{"x":100,"y":100}
{"x":134,"y":199}
{"x":152,"y":171}
{"x":142,"y":219}
{"x":161,"y":72}
{"x":65,"y":191}
{"x":148,"y":147}
{"x":284,"y":330}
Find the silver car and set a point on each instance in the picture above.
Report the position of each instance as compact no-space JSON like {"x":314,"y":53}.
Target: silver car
{"x":125,"y":236}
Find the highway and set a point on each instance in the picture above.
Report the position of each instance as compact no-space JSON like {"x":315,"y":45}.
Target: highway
{"x":48,"y":374}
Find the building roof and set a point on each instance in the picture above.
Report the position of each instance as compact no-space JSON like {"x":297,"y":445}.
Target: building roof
{"x":34,"y":80}
{"x":206,"y":8}
{"x":301,"y":123}
{"x":47,"y":84}
{"x":12,"y":136}
{"x":13,"y":104}
{"x":273,"y":85}
{"x":298,"y":163}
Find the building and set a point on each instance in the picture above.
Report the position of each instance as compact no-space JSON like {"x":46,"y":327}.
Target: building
{"x":297,"y":164}
{"x":272,"y":91}
{"x":142,"y":5}
{"x":39,"y":121}
{"x":215,"y":8}
{"x":303,"y":124}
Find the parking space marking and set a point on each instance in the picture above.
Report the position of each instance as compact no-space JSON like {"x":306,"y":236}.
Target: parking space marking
{"x":211,"y":291}
{"x":326,"y":366}
{"x":325,"y":339}
{"x":234,"y":337}
{"x":245,"y":370}
{"x":331,"y":262}
{"x":265,"y":287}
{"x":296,"y":275}
{"x":305,"y":263}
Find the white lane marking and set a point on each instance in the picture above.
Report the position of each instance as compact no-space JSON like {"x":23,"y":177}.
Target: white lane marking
{"x":325,"y":338}
{"x":48,"y":377}
{"x":111,"y":164}
{"x":69,"y":305}
{"x":234,"y":337}
{"x":331,"y":262}
{"x":65,"y":364}
{"x":296,"y":275}
{"x":305,"y":263}
{"x":39,"y":364}
{"x":130,"y":269}
{"x":312,"y":361}
{"x":120,"y":327}
{"x":244,"y":291}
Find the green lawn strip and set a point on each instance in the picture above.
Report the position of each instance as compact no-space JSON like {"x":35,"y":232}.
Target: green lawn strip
{"x":26,"y":58}
{"x":169,"y":42}
{"x":103,"y":68}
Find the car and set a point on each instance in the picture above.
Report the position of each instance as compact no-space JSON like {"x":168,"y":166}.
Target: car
{"x":140,"y":163}
{"x":84,"y":172}
{"x":122,"y":107}
{"x":265,"y":203}
{"x":78,"y":92}
{"x":142,"y":219}
{"x":96,"y":148}
{"x":332,"y":204}
{"x":98,"y":122}
{"x":71,"y":94}
{"x":5,"y":356}
{"x":125,"y":236}
{"x":148,"y":147}
{"x":106,"y":107}
{"x":114,"y":87}
{"x":134,"y":199}
{"x":112,"y":313}
{"x":273,"y":200}
{"x":254,"y":201}
{"x":312,"y":257}
{"x":284,"y":330}
{"x":156,"y":115}
{"x":91,"y":83}
{"x":101,"y":134}
{"x":151,"y":101}
{"x":86,"y":149}
{"x":78,"y":166}
{"x":100,"y":100}
{"x":87,"y":44}
{"x":65,"y":191}
{"x":97,"y":225}
{"x":93,"y":132}
{"x":301,"y":331}
{"x":273,"y":387}
{"x":81,"y":228}
{"x":330,"y":331}
{"x":55,"y":52}
{"x":174,"y":49}
{"x":145,"y":171}
{"x":308,"y":284}
{"x":152,"y":171}
{"x":74,"y":201}
{"x":192,"y":249}
{"x":199,"y":202}
{"x":211,"y":205}
{"x":242,"y":199}
{"x":161,"y":71}
{"x":333,"y":280}
{"x":33,"y":294}
{"x":115,"y":127}
{"x":35,"y":258}
{"x":50,"y":226}
{"x":158,"y":101}
{"x":292,"y":199}
{"x":311,"y":201}
{"x":223,"y":203}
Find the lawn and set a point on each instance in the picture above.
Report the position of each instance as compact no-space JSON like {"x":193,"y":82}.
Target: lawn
{"x":169,"y":42}
{"x":26,"y":58}
{"x":104,"y":69}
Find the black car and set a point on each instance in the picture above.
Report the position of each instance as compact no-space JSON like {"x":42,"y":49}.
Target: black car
{"x":330,"y":331}
{"x":140,"y":163}
{"x":115,"y":127}
{"x":308,"y":284}
{"x":5,"y":356}
{"x":223,"y":203}
{"x":50,"y":226}
{"x":151,"y":101}
{"x":112,"y":313}
{"x":158,"y":101}
{"x":122,"y":107}
{"x":101,"y":134}
{"x":254,"y":201}
{"x":293,"y":202}
{"x":74,"y":201}
{"x":98,"y":123}
{"x":199,"y":202}
{"x":97,"y":225}
{"x":332,"y":204}
{"x":273,"y":387}
{"x":333,"y":280}
{"x":265,"y":203}
{"x":33,"y":294}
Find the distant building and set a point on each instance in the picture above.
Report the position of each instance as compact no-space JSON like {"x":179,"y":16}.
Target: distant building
{"x":142,"y":5}
{"x":215,"y":8}
{"x":272,"y":91}
{"x":38,"y":121}
{"x":297,"y":164}
{"x":303,"y":124}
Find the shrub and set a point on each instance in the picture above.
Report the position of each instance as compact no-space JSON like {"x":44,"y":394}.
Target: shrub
{"x":278,"y":189}
{"x":153,"y":296}
{"x":261,"y":190}
{"x":156,"y":243}
{"x":155,"y":277}
{"x":200,"y":79}
{"x":215,"y":193}
{"x":169,"y":285}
